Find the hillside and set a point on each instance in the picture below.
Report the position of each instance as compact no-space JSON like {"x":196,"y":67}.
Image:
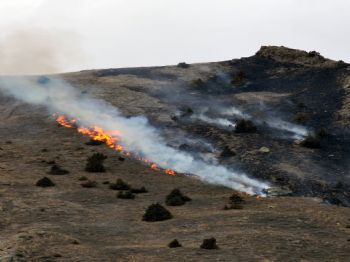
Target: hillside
{"x":288,"y":96}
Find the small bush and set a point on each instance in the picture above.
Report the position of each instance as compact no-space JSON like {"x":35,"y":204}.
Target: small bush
{"x":197,"y":83}
{"x":105,"y":182}
{"x":45,"y":182}
{"x":156,"y":212}
{"x":57,"y":170}
{"x":311,"y":142}
{"x":183,"y":65}
{"x":83,"y":178}
{"x":227,"y":152}
{"x":176,"y":198}
{"x":119,"y":185}
{"x":93,"y":142}
{"x":125,"y":195}
{"x":235,"y":202}
{"x":139,"y":190}
{"x":209,"y":243}
{"x":186,"y":112}
{"x":121,"y":158}
{"x":238,"y":79}
{"x":95,"y":163}
{"x":89,"y":184}
{"x":174,"y":244}
{"x":300,"y":118}
{"x":245,"y":126}
{"x":322,"y":132}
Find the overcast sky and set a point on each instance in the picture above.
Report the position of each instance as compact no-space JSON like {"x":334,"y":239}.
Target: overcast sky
{"x":126,"y":33}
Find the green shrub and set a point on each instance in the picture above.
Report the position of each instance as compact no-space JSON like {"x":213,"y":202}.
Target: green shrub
{"x":238,"y":79}
{"x":209,"y":243}
{"x":89,"y":184}
{"x":125,"y":195}
{"x":119,"y":185}
{"x":174,"y":244}
{"x":156,"y":212}
{"x":45,"y":182}
{"x":183,"y":65}
{"x":300,"y":118}
{"x":95,"y":163}
{"x":176,"y":198}
{"x":245,"y":126}
{"x":57,"y":170}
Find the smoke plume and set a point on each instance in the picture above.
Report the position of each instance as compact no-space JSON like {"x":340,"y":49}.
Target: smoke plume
{"x":37,"y":51}
{"x":137,"y":135}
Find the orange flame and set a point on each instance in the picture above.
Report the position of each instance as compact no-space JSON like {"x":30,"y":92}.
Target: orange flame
{"x":109,"y":138}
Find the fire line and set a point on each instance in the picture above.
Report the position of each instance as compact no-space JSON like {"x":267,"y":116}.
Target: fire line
{"x":109,"y":138}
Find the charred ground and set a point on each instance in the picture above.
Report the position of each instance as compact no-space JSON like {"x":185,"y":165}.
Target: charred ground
{"x":68,"y":222}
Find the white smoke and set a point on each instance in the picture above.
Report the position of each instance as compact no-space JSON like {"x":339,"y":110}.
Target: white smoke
{"x":137,"y":134}
{"x":221,"y":122}
{"x":297,"y":131}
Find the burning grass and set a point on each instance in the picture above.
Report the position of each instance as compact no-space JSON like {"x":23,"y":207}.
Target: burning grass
{"x":111,"y":139}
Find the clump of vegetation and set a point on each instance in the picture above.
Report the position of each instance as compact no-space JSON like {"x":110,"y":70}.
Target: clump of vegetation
{"x":311,"y":141}
{"x":209,"y":243}
{"x":57,"y":170}
{"x":93,"y":142}
{"x":322,"y":132}
{"x":314,"y":54}
{"x":227,"y":152}
{"x":121,"y":158}
{"x":45,"y":182}
{"x":119,"y":185}
{"x":105,"y":182}
{"x":156,"y":212}
{"x":140,"y":190}
{"x":186,"y":112}
{"x":235,"y":202}
{"x":197,"y":83}
{"x":82,"y":178}
{"x":245,"y":126}
{"x":125,"y":195}
{"x":174,"y":244}
{"x":238,"y":79}
{"x":176,"y":198}
{"x":183,"y":65}
{"x":89,"y":184}
{"x":95,"y":163}
{"x":300,"y":118}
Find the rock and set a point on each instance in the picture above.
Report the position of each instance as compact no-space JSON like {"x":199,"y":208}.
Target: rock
{"x":264,"y":149}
